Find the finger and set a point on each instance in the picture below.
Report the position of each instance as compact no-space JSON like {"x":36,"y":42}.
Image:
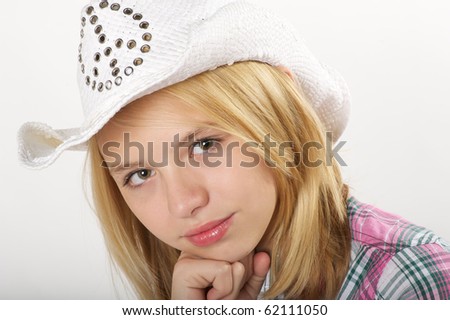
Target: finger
{"x":238,"y":272}
{"x":222,"y":284}
{"x":261,"y":264}
{"x":252,"y":288}
{"x":191,"y":278}
{"x":241,"y":273}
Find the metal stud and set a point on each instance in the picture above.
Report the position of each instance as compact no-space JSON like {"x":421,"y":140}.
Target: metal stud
{"x":131,"y":44}
{"x":102,"y":38}
{"x":107,"y":51}
{"x":94,"y":84}
{"x":118,"y":81}
{"x":80,"y":58}
{"x":88,"y":80}
{"x":128,"y":11}
{"x":95,"y":72}
{"x":147,"y":37}
{"x":144,"y":25}
{"x":93,"y":19}
{"x":119,"y":43}
{"x":83,"y":21}
{"x":128,"y":71}
{"x":137,"y":16}
{"x":115,"y":7}
{"x":138,"y":61}
{"x":108,"y":85}
{"x":145,"y":48}
{"x":82,"y":68}
{"x":98,"y":29}
{"x":97,"y":57}
{"x":80,"y":47}
{"x":100,"y":87}
{"x":113,"y":63}
{"x":103,"y":4}
{"x":115,"y":72}
{"x":89,"y":10}
{"x":82,"y":33}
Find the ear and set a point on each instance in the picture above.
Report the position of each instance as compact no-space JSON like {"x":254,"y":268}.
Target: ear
{"x":287,"y":71}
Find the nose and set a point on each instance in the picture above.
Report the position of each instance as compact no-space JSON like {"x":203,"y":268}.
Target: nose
{"x":185,"y":192}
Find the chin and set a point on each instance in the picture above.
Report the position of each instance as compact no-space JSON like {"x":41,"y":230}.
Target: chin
{"x":227,"y":253}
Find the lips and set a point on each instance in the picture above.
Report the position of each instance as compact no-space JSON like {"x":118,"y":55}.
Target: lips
{"x":209,"y":233}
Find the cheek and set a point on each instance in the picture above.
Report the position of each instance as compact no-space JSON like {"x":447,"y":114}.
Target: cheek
{"x":147,"y":209}
{"x":255,"y":179}
{"x":253,"y":188}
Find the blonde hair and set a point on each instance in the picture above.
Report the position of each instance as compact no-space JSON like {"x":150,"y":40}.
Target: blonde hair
{"x":309,"y":236}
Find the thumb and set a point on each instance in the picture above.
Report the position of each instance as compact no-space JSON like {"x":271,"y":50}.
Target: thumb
{"x":261,"y":264}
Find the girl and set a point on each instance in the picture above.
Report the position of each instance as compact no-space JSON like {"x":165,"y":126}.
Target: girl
{"x":206,"y":125}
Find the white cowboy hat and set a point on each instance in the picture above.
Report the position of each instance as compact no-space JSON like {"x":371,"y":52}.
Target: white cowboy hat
{"x":133,"y":48}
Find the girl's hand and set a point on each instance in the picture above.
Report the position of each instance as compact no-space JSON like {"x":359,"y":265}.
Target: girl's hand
{"x":200,"y":279}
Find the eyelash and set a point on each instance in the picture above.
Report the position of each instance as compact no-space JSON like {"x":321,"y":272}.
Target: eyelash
{"x":128,"y":177}
{"x":212,"y":140}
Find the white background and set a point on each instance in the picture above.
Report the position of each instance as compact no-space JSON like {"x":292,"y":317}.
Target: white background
{"x":393,"y":54}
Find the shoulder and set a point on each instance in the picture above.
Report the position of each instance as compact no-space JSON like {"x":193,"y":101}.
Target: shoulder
{"x":417,"y":272}
{"x":393,"y":258}
{"x":385,"y":231}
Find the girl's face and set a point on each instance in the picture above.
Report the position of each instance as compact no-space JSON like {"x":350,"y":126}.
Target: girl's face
{"x":185,"y":182}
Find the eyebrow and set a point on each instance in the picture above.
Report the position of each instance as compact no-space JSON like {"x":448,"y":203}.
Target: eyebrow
{"x":185,"y":141}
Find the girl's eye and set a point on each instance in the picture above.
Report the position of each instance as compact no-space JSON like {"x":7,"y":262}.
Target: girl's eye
{"x":139,"y":177}
{"x":204,"y":146}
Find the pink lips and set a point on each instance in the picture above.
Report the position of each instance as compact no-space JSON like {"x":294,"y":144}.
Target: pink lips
{"x":209,"y":233}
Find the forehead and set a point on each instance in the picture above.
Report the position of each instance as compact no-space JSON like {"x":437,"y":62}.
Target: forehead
{"x":154,"y":116}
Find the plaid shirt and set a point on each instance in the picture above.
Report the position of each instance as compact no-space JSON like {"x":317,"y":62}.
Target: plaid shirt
{"x":392,"y":258}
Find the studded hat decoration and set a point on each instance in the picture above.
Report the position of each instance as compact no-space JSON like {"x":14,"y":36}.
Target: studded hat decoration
{"x":90,"y":67}
{"x":132,"y":48}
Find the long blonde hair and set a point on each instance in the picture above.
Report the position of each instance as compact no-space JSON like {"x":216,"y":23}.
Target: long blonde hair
{"x":308,"y":237}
